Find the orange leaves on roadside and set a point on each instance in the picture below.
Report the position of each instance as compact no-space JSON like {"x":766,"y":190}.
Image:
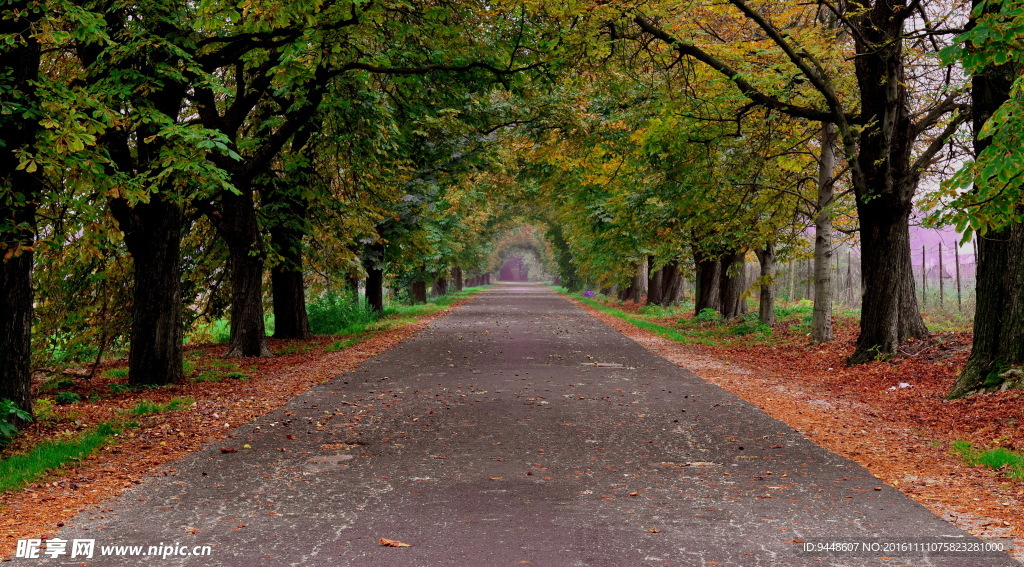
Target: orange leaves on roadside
{"x":392,"y":543}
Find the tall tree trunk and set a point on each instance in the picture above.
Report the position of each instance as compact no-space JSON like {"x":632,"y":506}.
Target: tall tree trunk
{"x":457,"y":278}
{"x":638,"y":288}
{"x":769,"y":269}
{"x":708,"y":294}
{"x":733,"y":283}
{"x":240,"y":231}
{"x":821,"y":317}
{"x":291,"y":321}
{"x":884,"y":180}
{"x":441,"y":286}
{"x":418,"y":290}
{"x":671,"y":282}
{"x":20,"y":191}
{"x":153,"y":237}
{"x":999,"y":313}
{"x":654,"y":278}
{"x":373,"y":263}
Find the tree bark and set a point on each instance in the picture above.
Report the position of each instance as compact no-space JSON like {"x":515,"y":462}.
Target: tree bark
{"x":998,"y":341}
{"x":732,"y":286}
{"x":654,"y":278}
{"x":708,"y":293}
{"x":291,"y":321}
{"x":769,"y":269}
{"x":240,"y":231}
{"x":20,"y":191}
{"x":375,"y":288}
{"x":638,"y":288}
{"x":821,"y":317}
{"x":671,"y":282}
{"x":457,"y":278}
{"x":418,"y":290}
{"x":153,"y":237}
{"x":884,"y":181}
{"x":441,"y":286}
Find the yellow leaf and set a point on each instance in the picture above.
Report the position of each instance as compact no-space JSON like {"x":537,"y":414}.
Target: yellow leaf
{"x":392,"y":543}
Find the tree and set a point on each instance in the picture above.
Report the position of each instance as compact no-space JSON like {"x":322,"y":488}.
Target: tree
{"x":877,"y":129}
{"x":20,"y":190}
{"x":993,"y":206}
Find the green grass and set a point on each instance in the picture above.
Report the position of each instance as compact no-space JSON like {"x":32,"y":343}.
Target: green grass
{"x":20,"y":470}
{"x":116,"y":373}
{"x":208,"y":376}
{"x":678,"y":323}
{"x":660,"y":330}
{"x":997,"y":458}
{"x":147,"y":407}
{"x":344,"y":343}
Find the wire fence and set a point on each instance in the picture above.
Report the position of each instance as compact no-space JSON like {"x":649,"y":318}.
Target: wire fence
{"x":944,"y":278}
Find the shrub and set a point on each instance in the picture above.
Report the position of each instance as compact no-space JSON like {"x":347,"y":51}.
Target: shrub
{"x":334,"y":313}
{"x":10,"y":413}
{"x":707,"y":315}
{"x":65,"y":398}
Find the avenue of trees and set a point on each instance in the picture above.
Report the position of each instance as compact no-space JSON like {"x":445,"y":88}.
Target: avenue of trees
{"x":165,"y":163}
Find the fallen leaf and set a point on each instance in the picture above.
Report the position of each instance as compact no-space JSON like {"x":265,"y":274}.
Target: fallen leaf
{"x":655,"y":531}
{"x":228,"y":450}
{"x":392,"y":543}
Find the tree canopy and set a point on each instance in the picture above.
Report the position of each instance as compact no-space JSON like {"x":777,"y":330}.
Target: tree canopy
{"x":167,"y":163}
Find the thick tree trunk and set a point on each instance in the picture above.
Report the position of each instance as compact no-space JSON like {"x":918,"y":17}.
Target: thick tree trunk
{"x":241,"y":233}
{"x":708,"y":293}
{"x":733,"y":283}
{"x":375,"y":288}
{"x":999,"y":314}
{"x":291,"y":321}
{"x":638,"y":288}
{"x":457,"y":279}
{"x":418,"y":290}
{"x":884,"y":181}
{"x":153,"y":237}
{"x":671,"y":282}
{"x":769,"y":269}
{"x":19,"y":195}
{"x":821,"y":317}
{"x":654,"y":278}
{"x":889,"y":311}
{"x":441,"y":286}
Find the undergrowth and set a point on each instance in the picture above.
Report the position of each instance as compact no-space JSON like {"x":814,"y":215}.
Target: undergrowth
{"x":999,"y":458}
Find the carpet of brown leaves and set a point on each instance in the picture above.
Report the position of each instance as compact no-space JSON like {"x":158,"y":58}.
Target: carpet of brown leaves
{"x":41,"y":509}
{"x":902,"y":435}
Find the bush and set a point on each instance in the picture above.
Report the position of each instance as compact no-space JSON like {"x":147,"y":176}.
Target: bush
{"x":10,"y":413}
{"x":334,"y":313}
{"x":65,"y":398}
{"x":707,"y":315}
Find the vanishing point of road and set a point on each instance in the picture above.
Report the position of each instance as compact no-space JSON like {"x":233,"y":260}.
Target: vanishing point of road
{"x":518,"y":430}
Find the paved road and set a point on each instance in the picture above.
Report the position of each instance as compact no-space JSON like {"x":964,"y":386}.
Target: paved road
{"x":516,"y":431}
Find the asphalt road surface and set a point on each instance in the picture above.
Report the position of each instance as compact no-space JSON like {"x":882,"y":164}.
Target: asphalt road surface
{"x":518,"y":431}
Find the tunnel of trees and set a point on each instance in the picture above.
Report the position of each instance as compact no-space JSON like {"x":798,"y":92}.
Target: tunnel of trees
{"x":164,"y":163}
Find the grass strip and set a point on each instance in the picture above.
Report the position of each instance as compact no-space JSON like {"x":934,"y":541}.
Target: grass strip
{"x":147,"y":407}
{"x":660,"y":330}
{"x":20,"y":470}
{"x":999,"y":458}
